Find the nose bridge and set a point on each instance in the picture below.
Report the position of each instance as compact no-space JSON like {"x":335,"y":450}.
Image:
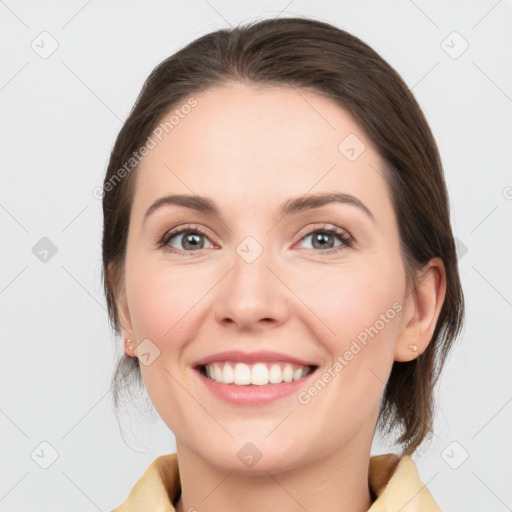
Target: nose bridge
{"x":251,"y":291}
{"x":251,"y":279}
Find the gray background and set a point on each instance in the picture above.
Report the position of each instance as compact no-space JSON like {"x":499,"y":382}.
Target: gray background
{"x":60,"y":114}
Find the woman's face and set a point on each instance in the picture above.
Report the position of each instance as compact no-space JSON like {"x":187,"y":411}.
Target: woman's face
{"x":262,"y":278}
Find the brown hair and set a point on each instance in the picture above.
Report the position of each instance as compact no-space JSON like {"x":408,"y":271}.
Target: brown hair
{"x":318,"y":56}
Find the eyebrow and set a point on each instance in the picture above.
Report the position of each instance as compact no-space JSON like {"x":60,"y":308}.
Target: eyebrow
{"x":292,"y":206}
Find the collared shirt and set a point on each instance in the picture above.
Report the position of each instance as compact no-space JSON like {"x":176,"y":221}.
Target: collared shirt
{"x":393,"y":480}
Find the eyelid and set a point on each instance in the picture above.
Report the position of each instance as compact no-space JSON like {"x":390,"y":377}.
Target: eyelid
{"x":346,"y":238}
{"x":322,"y":226}
{"x":179,"y":230}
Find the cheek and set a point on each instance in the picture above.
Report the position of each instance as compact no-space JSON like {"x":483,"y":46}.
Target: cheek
{"x":360,"y":310}
{"x":150,"y":309}
{"x":160,"y":299}
{"x":349,"y":300}
{"x":344,"y":299}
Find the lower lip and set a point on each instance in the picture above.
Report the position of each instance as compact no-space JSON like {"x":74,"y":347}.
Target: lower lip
{"x":252,"y":394}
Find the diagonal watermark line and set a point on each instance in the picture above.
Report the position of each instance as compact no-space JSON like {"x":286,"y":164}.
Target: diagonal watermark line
{"x":286,"y":491}
{"x":81,"y":490}
{"x":14,"y":485}
{"x":492,"y":211}
{"x":284,"y":9}
{"x":497,"y":497}
{"x":379,"y":172}
{"x":75,"y":15}
{"x":297,"y":91}
{"x":13,"y":279}
{"x":74,"y":218}
{"x":301,"y":300}
{"x":218,"y":12}
{"x":13,"y":13}
{"x":198,"y":402}
{"x":195,"y":304}
{"x":503,"y":407}
{"x":416,"y":494}
{"x":307,"y":192}
{"x":492,"y":81}
{"x":377,"y":377}
{"x":14,"y":423}
{"x":279,"y":423}
{"x":84,"y":288}
{"x":485,"y":15}
{"x":14,"y":218}
{"x":500,"y":294}
{"x":220,"y":220}
{"x":87,"y":87}
{"x":76,"y":424}
{"x":216,"y":487}
{"x":421,"y":79}
{"x":424,"y":14}
{"x":14,"y":76}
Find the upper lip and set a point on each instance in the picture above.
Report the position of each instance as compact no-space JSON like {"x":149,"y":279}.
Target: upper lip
{"x":251,"y":357}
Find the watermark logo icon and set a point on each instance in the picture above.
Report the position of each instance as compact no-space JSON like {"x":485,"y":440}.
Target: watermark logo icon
{"x":249,"y":455}
{"x":44,"y":250}
{"x":454,"y":45}
{"x":147,"y":352}
{"x":44,"y":455}
{"x":351,"y":147}
{"x":45,"y":45}
{"x":455,"y":455}
{"x":249,"y":249}
{"x":460,"y":248}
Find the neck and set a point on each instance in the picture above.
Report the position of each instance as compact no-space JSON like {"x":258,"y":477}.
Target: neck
{"x":336,"y":482}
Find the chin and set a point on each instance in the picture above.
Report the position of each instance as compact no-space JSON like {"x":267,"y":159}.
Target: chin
{"x":253,"y":457}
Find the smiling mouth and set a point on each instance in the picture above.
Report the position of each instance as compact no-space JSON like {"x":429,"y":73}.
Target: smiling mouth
{"x":256,"y":374}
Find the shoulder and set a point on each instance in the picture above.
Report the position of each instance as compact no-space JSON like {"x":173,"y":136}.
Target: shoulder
{"x":159,"y":484}
{"x":396,"y":482}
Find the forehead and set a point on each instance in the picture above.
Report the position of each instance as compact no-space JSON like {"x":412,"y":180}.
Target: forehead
{"x":247,"y":144}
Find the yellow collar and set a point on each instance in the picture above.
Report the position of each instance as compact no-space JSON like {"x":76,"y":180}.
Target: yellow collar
{"x":393,"y":480}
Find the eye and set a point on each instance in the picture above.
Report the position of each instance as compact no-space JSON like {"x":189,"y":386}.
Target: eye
{"x":322,"y":238}
{"x":191,"y":238}
{"x":188,"y":239}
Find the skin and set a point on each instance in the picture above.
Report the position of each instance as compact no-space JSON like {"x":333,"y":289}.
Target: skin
{"x":250,"y":149}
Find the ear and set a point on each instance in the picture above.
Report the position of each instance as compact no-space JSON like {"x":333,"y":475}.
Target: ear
{"x":123,"y":312}
{"x":127,"y":336}
{"x":421,"y":311}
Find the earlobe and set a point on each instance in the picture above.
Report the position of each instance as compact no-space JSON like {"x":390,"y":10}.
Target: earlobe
{"x":125,"y":324}
{"x":129,"y":350}
{"x":122,"y":311}
{"x":422,"y":311}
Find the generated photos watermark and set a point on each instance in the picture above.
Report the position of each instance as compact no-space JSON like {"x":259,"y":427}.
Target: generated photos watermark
{"x":356,"y":346}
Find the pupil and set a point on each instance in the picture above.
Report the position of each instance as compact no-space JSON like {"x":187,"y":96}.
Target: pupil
{"x":320,"y":237}
{"x":192,"y":237}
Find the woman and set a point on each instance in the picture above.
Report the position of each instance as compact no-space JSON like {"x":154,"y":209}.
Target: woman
{"x":279,"y":261}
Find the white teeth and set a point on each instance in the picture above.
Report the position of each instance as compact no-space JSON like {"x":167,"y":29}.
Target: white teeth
{"x":288,"y":373}
{"x":258,"y":374}
{"x":242,"y":374}
{"x":298,"y":373}
{"x":276,"y":375}
{"x":228,"y":375}
{"x":217,"y":372}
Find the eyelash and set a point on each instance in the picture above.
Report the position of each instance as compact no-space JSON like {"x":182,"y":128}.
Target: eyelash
{"x":343,"y":236}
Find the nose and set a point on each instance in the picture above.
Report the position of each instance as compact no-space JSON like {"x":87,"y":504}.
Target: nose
{"x":251,"y":297}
